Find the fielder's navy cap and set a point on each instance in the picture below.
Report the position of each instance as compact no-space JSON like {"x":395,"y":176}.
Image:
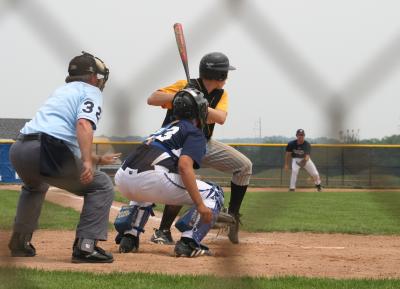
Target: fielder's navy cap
{"x":300,"y":131}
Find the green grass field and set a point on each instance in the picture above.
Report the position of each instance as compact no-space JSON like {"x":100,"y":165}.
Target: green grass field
{"x":344,"y":212}
{"x":34,"y":279}
{"x":52,"y":216}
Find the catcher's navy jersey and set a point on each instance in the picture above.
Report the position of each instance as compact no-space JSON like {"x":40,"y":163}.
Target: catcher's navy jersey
{"x":298,"y":150}
{"x":165,"y":146}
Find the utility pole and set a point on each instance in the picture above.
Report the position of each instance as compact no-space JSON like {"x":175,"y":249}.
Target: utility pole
{"x":257,"y":128}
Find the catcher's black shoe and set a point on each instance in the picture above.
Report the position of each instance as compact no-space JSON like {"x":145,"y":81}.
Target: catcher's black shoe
{"x":86,"y":251}
{"x":187,"y":247}
{"x":20,"y":245}
{"x":129,"y":243}
{"x":233,"y":234}
{"x":162,"y":237}
{"x":319,"y":188}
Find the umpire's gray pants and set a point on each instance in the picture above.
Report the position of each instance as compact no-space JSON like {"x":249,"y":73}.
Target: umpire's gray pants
{"x":225,"y":158}
{"x":98,"y":195}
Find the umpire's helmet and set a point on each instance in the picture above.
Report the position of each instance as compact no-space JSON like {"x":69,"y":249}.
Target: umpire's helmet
{"x":215,"y":66}
{"x":86,"y":64}
{"x":189,"y":103}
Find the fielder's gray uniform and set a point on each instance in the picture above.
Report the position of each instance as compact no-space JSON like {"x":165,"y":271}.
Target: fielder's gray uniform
{"x":298,"y":151}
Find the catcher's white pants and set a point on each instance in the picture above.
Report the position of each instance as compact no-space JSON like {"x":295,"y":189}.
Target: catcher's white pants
{"x":160,"y":187}
{"x":309,"y":167}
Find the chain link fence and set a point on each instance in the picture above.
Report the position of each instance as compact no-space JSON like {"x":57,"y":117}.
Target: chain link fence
{"x":340,"y":165}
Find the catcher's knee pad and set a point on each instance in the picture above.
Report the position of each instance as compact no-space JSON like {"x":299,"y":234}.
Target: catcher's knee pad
{"x":191,"y":219}
{"x":133,"y":217}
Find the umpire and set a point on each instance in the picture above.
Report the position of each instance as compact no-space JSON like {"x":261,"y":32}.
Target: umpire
{"x":213,"y":70}
{"x":55,"y":148}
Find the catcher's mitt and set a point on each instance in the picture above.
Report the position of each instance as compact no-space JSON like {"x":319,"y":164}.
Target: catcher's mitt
{"x":302,"y":163}
{"x":224,"y":220}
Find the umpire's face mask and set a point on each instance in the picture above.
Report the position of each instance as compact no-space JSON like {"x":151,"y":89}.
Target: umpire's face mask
{"x":101,"y":83}
{"x":102,"y":73}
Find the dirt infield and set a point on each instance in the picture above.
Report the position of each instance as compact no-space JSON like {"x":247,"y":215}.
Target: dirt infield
{"x":259,"y":254}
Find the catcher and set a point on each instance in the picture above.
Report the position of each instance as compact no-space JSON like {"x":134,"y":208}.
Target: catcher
{"x":299,"y":149}
{"x":161,"y":170}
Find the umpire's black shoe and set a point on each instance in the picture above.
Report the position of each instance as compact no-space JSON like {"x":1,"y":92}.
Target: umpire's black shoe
{"x":86,"y":251}
{"x":233,"y":234}
{"x":20,"y":245}
{"x":129,"y":243}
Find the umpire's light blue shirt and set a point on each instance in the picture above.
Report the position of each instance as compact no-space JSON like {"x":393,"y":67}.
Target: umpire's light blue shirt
{"x":68,"y":103}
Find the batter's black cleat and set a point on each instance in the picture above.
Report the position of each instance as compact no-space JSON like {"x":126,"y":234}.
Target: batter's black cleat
{"x":129,"y":243}
{"x":233,"y":234}
{"x":86,"y":251}
{"x":187,"y":247}
{"x":20,"y":245}
{"x":319,"y":188}
{"x":292,"y":190}
{"x":162,"y":237}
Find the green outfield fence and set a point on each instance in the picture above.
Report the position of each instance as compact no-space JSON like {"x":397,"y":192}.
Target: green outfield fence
{"x":340,"y":165}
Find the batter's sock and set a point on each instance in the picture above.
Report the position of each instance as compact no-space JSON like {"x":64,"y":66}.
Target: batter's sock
{"x":237,"y":195}
{"x":168,"y":217}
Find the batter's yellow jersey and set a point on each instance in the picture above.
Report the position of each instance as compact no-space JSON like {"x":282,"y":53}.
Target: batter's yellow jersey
{"x":217,"y":99}
{"x":180,"y":84}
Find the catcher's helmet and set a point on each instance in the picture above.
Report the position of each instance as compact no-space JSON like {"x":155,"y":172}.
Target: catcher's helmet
{"x":87,"y":64}
{"x":215,"y":66}
{"x":189,"y":103}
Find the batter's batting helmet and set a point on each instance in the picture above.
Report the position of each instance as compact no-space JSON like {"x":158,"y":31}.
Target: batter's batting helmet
{"x":189,"y":103}
{"x":215,"y":66}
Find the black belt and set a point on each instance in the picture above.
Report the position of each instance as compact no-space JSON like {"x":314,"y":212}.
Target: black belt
{"x":37,"y":136}
{"x":29,"y":137}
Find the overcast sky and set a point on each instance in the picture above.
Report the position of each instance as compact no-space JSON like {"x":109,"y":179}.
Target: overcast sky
{"x":318,"y":65}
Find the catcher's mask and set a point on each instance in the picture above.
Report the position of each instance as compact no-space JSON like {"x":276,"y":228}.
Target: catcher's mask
{"x":215,"y":66}
{"x":189,"y":103}
{"x":87,"y":64}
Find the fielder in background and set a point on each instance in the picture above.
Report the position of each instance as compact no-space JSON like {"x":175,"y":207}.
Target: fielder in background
{"x":161,"y":170}
{"x":55,"y":148}
{"x":214,"y":68}
{"x":299,"y":150}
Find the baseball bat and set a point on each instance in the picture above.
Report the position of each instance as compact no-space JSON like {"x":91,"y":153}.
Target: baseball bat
{"x":180,"y":41}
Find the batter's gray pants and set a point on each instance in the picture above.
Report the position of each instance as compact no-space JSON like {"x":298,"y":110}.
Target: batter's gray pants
{"x":98,"y":195}
{"x":225,"y":158}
